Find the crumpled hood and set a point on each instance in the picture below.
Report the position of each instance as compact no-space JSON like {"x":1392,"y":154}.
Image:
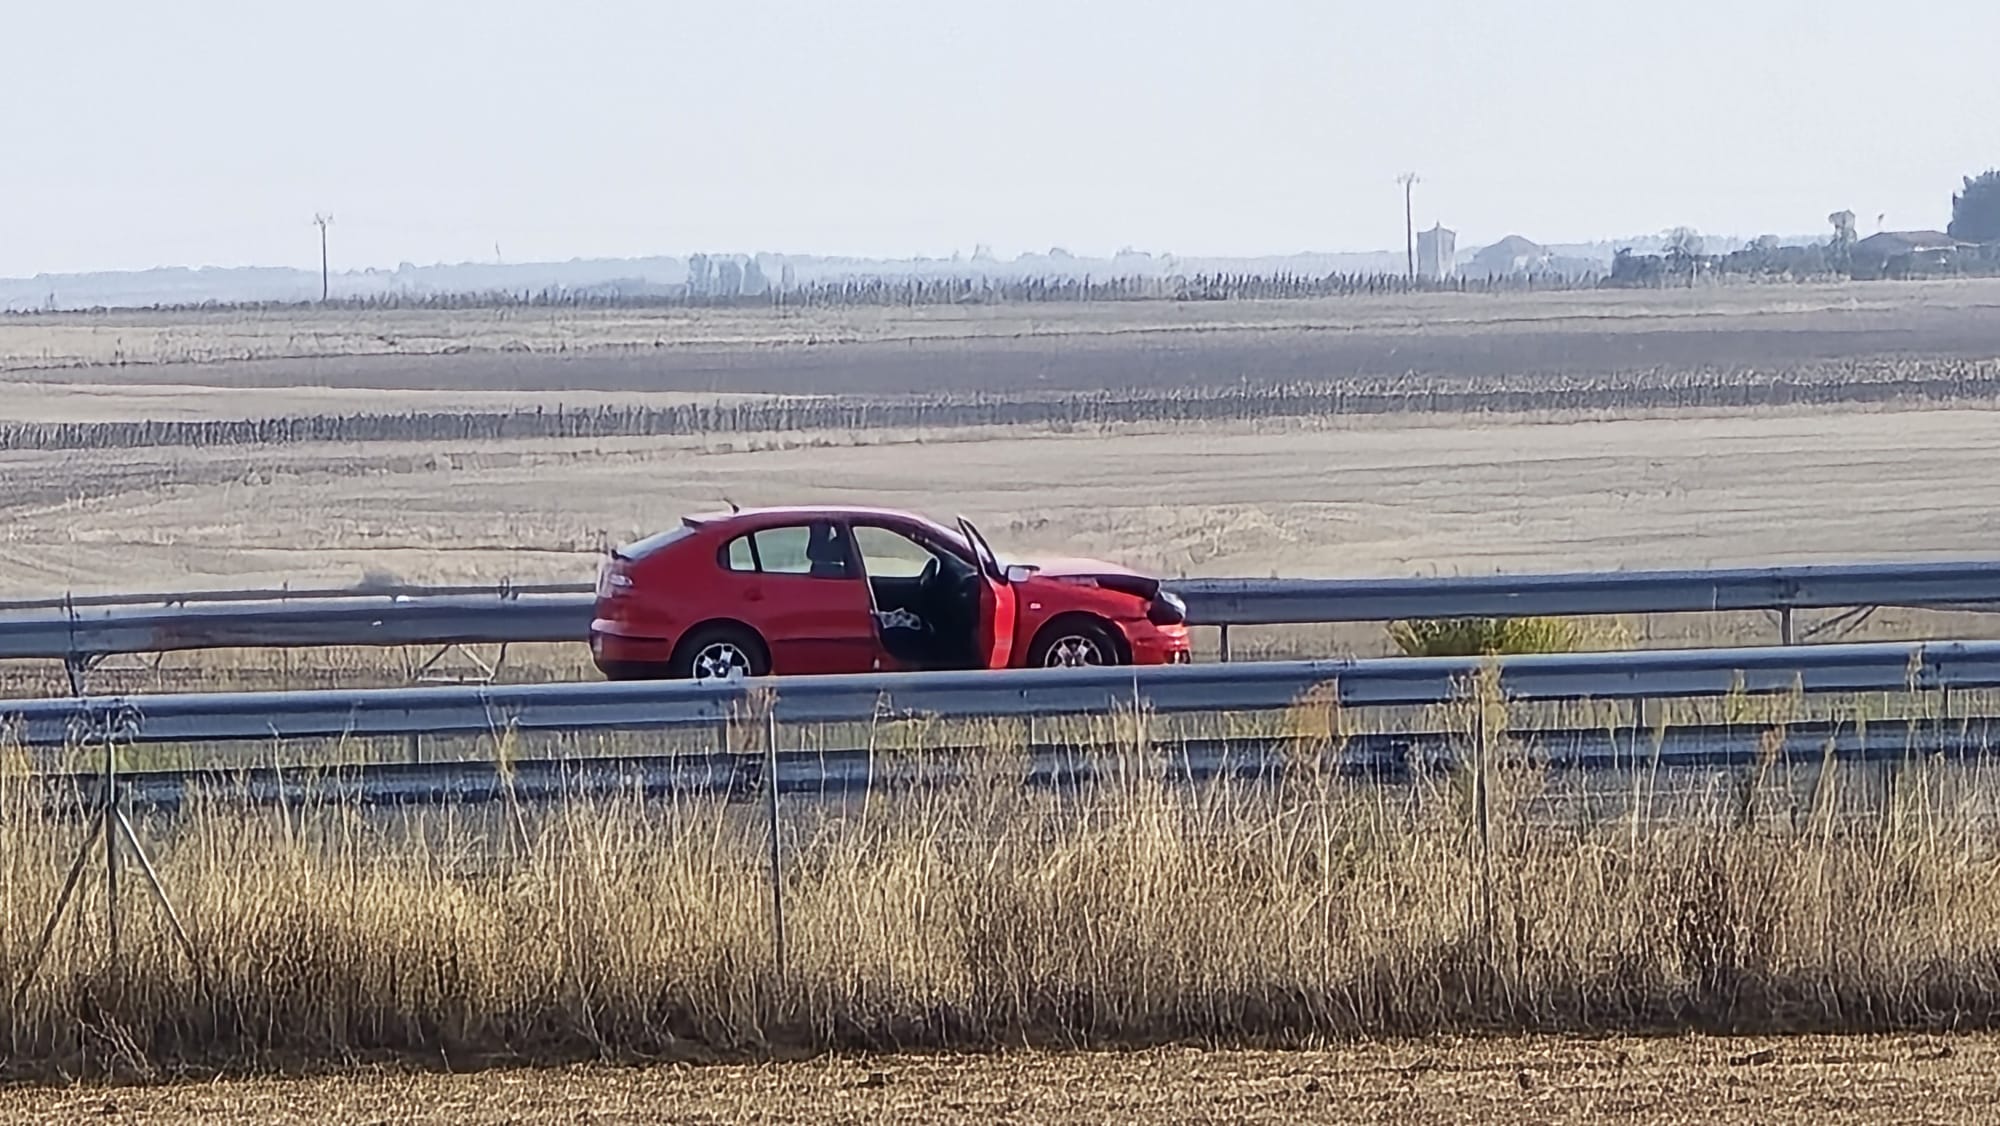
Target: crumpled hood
{"x":1110,"y":574}
{"x":1071,"y":567}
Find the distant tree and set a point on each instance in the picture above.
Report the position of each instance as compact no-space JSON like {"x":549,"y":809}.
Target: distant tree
{"x":1683,"y":252}
{"x":1840,"y":248}
{"x":1684,"y":243}
{"x":728,"y":278}
{"x":1975,"y":212}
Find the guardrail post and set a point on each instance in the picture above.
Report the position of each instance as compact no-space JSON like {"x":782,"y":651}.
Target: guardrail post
{"x":107,"y":816}
{"x":1785,"y":625}
{"x":1481,"y":811}
{"x":1224,"y":631}
{"x":777,"y":859}
{"x":111,"y":811}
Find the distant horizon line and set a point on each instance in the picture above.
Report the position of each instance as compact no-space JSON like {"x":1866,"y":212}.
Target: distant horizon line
{"x":957,"y":257}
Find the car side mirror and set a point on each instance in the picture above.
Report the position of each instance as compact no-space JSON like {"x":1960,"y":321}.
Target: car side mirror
{"x":1017,"y":574}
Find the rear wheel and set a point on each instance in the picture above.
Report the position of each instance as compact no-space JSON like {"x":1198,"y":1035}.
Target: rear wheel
{"x":1076,"y":643}
{"x":719,"y":652}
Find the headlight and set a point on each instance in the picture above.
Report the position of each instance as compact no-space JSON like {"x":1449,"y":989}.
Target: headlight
{"x":1167,"y":609}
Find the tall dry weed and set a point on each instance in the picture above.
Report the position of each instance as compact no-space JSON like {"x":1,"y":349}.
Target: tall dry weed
{"x":1131,"y":910}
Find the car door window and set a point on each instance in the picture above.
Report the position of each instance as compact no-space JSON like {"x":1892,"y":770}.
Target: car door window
{"x":819,"y":550}
{"x":890,"y":555}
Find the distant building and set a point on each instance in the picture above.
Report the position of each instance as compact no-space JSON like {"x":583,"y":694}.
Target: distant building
{"x":1901,"y":253}
{"x":1510,"y":256}
{"x":1437,"y":253}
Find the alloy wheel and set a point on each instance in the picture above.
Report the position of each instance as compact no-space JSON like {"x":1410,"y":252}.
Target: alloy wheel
{"x":1075,"y":651}
{"x":720,"y":660}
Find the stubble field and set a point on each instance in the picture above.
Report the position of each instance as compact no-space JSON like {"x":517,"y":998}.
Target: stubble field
{"x":1156,"y":344}
{"x":1403,"y":492}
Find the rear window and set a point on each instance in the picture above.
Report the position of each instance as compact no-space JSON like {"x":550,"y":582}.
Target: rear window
{"x":655,"y":543}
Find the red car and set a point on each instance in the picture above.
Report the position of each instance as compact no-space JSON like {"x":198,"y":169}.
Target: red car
{"x":781,"y":591}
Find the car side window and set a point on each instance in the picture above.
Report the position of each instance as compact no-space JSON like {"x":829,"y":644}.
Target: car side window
{"x":887,"y":554}
{"x":819,"y":550}
{"x":739,"y":555}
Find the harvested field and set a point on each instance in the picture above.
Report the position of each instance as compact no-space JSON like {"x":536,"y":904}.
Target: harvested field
{"x":97,"y":403}
{"x":669,"y":415}
{"x":125,"y":480}
{"x":1393,"y":495}
{"x":1010,"y":349}
{"x":1795,"y":1081}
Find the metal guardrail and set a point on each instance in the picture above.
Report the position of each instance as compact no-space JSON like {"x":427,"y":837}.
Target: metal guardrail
{"x":300,"y":623}
{"x":1370,"y":757}
{"x":1290,"y":601}
{"x":1260,"y":686}
{"x":503,"y":590}
{"x":80,"y":629}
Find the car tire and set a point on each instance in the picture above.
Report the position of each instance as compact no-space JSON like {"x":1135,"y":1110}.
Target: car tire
{"x":713,"y":651}
{"x":1074,"y":643}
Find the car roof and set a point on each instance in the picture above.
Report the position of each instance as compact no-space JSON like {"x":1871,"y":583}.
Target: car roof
{"x":805,"y":512}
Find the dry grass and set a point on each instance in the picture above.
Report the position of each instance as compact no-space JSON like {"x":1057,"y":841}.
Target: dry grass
{"x":986,"y":916}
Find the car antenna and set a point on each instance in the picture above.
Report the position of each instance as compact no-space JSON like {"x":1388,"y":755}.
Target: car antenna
{"x":733,"y":507}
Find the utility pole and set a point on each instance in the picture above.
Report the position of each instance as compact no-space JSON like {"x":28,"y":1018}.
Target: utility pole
{"x":322,"y":221}
{"x":1409,"y":180}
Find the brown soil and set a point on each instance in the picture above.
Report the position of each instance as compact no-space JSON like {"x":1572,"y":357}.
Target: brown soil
{"x":1691,"y":1080}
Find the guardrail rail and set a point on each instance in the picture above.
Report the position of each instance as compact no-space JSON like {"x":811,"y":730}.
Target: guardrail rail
{"x":84,"y":629}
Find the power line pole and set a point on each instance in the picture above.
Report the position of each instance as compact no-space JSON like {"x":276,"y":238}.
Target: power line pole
{"x":322,"y":221}
{"x":1409,"y":180}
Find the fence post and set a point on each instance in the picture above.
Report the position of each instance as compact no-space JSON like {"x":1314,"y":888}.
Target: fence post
{"x":111,"y":812}
{"x":777,"y":858}
{"x":1480,"y":735}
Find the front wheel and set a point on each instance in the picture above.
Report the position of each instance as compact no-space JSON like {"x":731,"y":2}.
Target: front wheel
{"x":720,"y":652}
{"x":1074,"y":644}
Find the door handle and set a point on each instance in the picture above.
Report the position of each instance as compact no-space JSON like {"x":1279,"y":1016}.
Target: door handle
{"x":754,"y":594}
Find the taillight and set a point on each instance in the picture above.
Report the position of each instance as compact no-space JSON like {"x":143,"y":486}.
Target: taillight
{"x":612,"y":578}
{"x":1167,"y":609}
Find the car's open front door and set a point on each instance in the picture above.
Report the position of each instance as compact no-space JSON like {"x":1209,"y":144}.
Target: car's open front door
{"x":996,"y":601}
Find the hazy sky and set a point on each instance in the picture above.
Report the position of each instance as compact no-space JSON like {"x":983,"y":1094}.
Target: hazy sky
{"x":146,"y":132}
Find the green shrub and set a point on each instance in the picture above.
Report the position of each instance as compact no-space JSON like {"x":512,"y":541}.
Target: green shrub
{"x":1477,"y":637}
